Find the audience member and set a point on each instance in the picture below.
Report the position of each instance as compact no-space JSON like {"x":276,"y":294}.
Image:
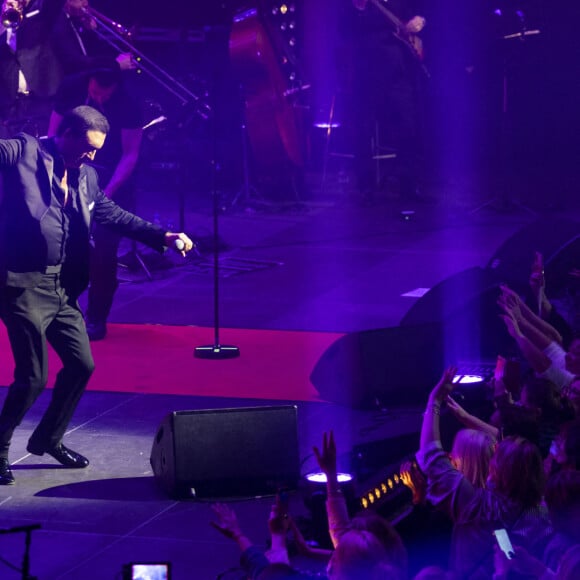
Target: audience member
{"x":563,"y":501}
{"x":433,"y":573}
{"x":254,"y":561}
{"x":359,"y":554}
{"x":530,"y":567}
{"x":512,"y":499}
{"x":471,"y":455}
{"x":426,"y":532}
{"x":539,"y":342}
{"x":572,"y":393}
{"x":252,"y":558}
{"x":569,"y":568}
{"x":544,"y":398}
{"x":544,"y":307}
{"x":393,"y":552}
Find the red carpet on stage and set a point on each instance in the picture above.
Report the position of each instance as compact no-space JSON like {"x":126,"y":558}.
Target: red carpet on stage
{"x":145,"y":358}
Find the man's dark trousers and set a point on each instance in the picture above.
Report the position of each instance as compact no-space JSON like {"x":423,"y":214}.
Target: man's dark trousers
{"x":30,"y":316}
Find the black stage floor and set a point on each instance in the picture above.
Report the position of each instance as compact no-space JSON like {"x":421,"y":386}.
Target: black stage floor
{"x":329,"y":264}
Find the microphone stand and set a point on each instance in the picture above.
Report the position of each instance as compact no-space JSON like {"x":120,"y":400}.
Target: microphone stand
{"x":215,"y":351}
{"x":26,"y":558}
{"x":503,"y":200}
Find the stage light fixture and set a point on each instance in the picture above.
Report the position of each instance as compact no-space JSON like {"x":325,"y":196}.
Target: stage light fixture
{"x":320,"y":477}
{"x":468,"y":379}
{"x":326,"y":125}
{"x":313,"y":489}
{"x":388,"y":495}
{"x":283,"y":8}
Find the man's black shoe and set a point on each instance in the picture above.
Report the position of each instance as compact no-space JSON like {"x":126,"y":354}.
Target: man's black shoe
{"x":62,"y":454}
{"x":6,"y":477}
{"x":96,"y":330}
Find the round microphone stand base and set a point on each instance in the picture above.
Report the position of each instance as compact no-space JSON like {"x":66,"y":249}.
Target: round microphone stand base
{"x":216,"y":351}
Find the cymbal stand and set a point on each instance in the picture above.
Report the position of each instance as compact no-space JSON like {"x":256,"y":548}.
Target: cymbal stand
{"x":25,"y":570}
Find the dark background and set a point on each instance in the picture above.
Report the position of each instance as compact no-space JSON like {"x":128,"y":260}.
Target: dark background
{"x":469,"y":63}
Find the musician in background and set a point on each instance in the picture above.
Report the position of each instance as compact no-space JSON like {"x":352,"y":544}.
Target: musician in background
{"x":386,"y":79}
{"x":78,"y":45}
{"x":104,"y":90}
{"x":29,"y":71}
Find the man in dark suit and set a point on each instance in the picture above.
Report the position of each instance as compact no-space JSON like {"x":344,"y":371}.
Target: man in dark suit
{"x":29,"y":71}
{"x":116,"y":162}
{"x":48,"y":201}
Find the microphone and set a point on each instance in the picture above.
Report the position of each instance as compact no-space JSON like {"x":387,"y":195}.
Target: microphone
{"x":179,"y":245}
{"x":155,"y":121}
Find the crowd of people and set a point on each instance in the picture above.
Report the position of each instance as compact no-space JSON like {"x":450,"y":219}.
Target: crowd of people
{"x":513,"y":473}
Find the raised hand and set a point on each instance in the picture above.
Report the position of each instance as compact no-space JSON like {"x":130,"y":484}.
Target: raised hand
{"x":444,"y":386}
{"x":278,"y":522}
{"x":327,"y":456}
{"x":415,"y":25}
{"x":227,"y":521}
{"x":510,"y":302}
{"x":460,"y":413}
{"x":537,"y":279}
{"x":412,"y":478}
{"x":511,"y":324}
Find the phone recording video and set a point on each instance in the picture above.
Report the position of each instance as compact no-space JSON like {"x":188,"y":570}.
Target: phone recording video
{"x":147,"y":571}
{"x":504,"y":543}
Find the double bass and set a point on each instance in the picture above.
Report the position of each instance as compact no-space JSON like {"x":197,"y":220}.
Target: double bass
{"x":272,"y":120}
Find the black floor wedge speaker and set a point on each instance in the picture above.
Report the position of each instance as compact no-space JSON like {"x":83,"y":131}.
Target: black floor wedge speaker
{"x":213,"y":453}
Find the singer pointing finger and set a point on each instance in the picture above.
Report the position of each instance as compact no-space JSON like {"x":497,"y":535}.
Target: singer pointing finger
{"x":48,"y":200}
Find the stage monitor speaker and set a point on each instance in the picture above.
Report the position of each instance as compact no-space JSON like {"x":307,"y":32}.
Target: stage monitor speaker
{"x":458,"y":292}
{"x":556,"y":238}
{"x":382,"y":367}
{"x":227,"y":452}
{"x":465,"y":306}
{"x":456,"y":322}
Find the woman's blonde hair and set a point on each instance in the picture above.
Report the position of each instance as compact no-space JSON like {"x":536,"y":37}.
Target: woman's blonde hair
{"x":471,"y":454}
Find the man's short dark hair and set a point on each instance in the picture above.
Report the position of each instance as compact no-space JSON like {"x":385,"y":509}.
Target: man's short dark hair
{"x":82,"y":119}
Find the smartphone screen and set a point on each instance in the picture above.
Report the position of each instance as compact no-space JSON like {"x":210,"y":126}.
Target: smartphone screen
{"x":503,"y":541}
{"x":149,"y":571}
